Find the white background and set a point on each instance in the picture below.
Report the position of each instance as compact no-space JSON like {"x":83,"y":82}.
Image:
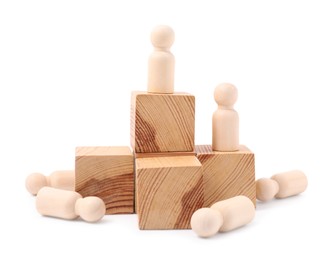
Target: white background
{"x":67,"y":69}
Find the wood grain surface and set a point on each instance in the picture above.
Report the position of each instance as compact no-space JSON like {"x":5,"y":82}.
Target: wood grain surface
{"x":164,"y":154}
{"x":227,"y":174}
{"x":162,"y":122}
{"x":168,"y":191}
{"x":108,"y":173}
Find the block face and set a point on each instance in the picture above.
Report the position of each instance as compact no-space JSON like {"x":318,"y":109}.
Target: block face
{"x":164,"y":154}
{"x":227,"y":174}
{"x":108,"y":173}
{"x":168,"y":191}
{"x":162,"y":122}
{"x":103,"y":150}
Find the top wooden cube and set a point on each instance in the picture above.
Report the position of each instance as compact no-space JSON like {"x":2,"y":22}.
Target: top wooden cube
{"x":162,"y":122}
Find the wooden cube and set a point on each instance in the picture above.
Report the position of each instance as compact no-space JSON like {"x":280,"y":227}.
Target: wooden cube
{"x":162,"y":122}
{"x":108,"y":173}
{"x":227,"y":174}
{"x":168,"y":191}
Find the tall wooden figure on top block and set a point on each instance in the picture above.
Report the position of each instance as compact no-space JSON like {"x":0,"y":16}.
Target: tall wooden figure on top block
{"x":161,"y":64}
{"x":162,"y":121}
{"x":169,"y":178}
{"x":225,"y":119}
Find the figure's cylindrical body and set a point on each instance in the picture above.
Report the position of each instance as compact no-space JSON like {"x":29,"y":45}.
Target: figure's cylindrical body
{"x":237,"y":211}
{"x":57,"y":203}
{"x":225,"y":130}
{"x":161,"y":70}
{"x":64,"y":180}
{"x":290,"y":183}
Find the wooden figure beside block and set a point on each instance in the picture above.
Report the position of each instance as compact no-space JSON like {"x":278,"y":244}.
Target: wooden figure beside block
{"x":227,"y":174}
{"x":225,"y":119}
{"x":108,"y":173}
{"x":67,"y":204}
{"x":59,"y":179}
{"x":168,"y":191}
{"x":281,"y":185}
{"x":162,"y":122}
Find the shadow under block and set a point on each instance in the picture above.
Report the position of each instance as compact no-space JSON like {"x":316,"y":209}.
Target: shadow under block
{"x":162,"y":122}
{"x":227,"y":174}
{"x":108,"y":173}
{"x":168,"y":191}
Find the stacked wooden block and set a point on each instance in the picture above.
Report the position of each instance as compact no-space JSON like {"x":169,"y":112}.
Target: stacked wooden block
{"x":227,"y":174}
{"x":169,"y":184}
{"x":165,"y":174}
{"x":108,"y":173}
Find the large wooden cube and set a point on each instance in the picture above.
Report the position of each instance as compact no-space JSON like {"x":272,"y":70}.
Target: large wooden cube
{"x":162,"y":122}
{"x":227,"y":174}
{"x":168,"y":191}
{"x":108,"y":173}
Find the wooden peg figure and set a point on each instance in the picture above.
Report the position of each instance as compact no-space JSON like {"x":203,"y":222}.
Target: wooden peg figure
{"x":281,"y":185}
{"x":69,"y":205}
{"x":161,"y":64}
{"x":64,"y":180}
{"x":225,"y":119}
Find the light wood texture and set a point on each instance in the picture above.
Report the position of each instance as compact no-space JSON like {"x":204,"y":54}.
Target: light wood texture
{"x":266,"y":189}
{"x":225,"y":119}
{"x":164,"y":154}
{"x":162,"y":123}
{"x":281,"y":185}
{"x":161,"y":63}
{"x":108,"y":173}
{"x":168,"y":191}
{"x":64,"y":180}
{"x":59,"y":179}
{"x":236,"y":212}
{"x":290,"y":183}
{"x":34,"y":182}
{"x":227,"y":174}
{"x":206,"y":222}
{"x":69,"y":205}
{"x":90,"y":209}
{"x":57,"y":203}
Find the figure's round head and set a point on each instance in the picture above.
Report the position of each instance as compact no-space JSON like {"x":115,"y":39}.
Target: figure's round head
{"x":34,"y":182}
{"x":91,"y":209}
{"x":266,"y":189}
{"x":206,"y":222}
{"x":225,"y":94}
{"x":162,"y":37}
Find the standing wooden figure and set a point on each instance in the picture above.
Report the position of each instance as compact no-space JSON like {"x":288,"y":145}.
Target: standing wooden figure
{"x":161,"y":64}
{"x":225,"y":119}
